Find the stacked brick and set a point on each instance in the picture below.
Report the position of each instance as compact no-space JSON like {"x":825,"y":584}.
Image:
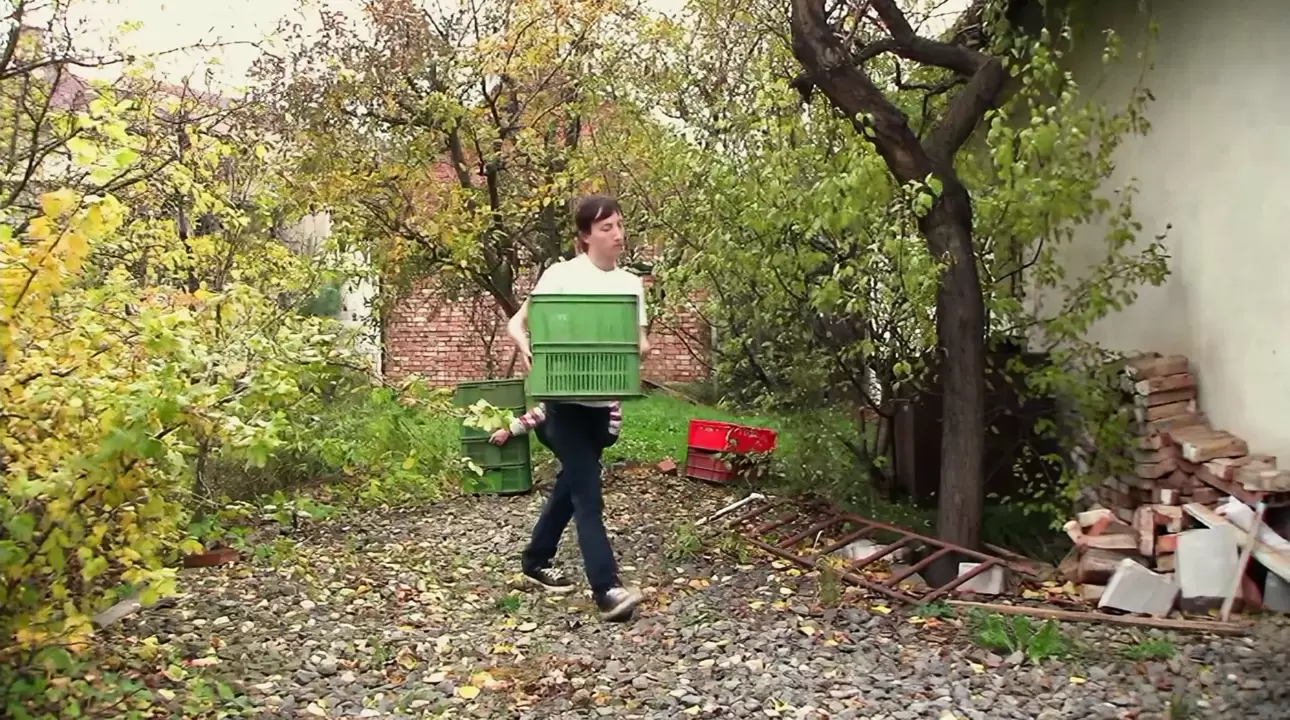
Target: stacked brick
{"x":1178,"y":458}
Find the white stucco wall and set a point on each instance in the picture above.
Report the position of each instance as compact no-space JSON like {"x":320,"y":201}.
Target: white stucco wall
{"x":1216,"y":167}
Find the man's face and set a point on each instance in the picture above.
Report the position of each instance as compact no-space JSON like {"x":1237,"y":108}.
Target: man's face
{"x":606,"y":237}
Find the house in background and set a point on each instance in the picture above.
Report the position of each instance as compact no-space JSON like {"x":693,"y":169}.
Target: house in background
{"x":1214,"y":170}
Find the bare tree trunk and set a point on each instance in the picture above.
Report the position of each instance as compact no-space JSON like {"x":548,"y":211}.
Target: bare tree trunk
{"x":960,"y":310}
{"x":960,"y":336}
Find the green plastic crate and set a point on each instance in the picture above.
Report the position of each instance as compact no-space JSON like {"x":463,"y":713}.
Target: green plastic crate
{"x":488,"y":455}
{"x":507,"y":393}
{"x":506,"y":480}
{"x":584,"y":347}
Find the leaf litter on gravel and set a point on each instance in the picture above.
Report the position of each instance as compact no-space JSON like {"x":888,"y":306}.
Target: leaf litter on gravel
{"x":420,"y":613}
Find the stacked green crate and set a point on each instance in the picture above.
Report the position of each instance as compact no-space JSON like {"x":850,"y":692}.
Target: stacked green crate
{"x":508,"y":469}
{"x":585,"y":347}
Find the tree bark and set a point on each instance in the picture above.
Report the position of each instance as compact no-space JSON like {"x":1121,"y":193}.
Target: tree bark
{"x":947,"y":227}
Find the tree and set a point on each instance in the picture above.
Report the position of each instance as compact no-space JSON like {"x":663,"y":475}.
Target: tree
{"x":834,"y":52}
{"x":451,"y":141}
{"x":808,"y":247}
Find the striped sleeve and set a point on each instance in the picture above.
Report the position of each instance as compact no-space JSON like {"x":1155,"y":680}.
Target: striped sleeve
{"x":529,"y":420}
{"x":615,"y":418}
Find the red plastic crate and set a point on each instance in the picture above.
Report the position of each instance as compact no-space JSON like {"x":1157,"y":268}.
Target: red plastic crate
{"x":753,"y":439}
{"x":704,"y":465}
{"x":711,"y":435}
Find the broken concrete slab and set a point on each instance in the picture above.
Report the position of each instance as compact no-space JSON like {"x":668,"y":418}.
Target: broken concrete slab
{"x":1276,"y":594}
{"x":1206,"y":563}
{"x":993,"y":581}
{"x":861,"y":549}
{"x":1136,"y":589}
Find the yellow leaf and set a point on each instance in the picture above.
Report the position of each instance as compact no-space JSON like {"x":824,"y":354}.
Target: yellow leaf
{"x":1032,"y":595}
{"x":1077,"y":680}
{"x":469,"y":692}
{"x":881,"y":609}
{"x":58,"y":202}
{"x":977,"y":668}
{"x":807,"y":630}
{"x":480,"y":679}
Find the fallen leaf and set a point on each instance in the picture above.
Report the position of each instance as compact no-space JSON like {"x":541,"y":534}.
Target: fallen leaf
{"x":469,"y":692}
{"x":1032,"y":594}
{"x":807,"y":630}
{"x":1077,"y":680}
{"x":881,"y":609}
{"x":977,"y":668}
{"x":528,"y":627}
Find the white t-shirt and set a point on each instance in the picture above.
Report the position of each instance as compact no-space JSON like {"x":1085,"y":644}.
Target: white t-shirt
{"x":580,"y":276}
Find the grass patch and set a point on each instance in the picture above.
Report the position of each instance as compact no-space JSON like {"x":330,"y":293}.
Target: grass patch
{"x":1148,"y":649}
{"x":1019,"y":634}
{"x":657,"y":426}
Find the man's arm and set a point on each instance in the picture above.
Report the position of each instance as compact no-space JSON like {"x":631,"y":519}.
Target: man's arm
{"x":517,"y":328}
{"x":529,"y":420}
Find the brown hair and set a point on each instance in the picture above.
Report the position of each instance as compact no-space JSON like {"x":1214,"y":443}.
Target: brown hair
{"x":588,"y":211}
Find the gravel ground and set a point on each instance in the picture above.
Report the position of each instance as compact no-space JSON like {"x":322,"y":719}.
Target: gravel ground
{"x":412,"y":615}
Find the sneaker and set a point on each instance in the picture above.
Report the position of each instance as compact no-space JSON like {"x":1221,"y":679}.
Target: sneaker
{"x":549,"y":579}
{"x":618,"y":603}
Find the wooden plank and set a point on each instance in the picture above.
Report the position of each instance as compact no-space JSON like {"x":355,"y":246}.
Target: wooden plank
{"x":1199,"y":626}
{"x":1274,"y":560}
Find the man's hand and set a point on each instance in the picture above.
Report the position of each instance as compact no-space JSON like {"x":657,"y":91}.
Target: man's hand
{"x":500,"y":437}
{"x":645,"y":346}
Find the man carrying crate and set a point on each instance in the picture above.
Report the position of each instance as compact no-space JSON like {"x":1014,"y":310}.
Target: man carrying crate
{"x":575,"y":430}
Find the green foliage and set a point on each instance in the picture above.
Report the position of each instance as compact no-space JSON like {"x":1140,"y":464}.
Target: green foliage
{"x":1151,"y":648}
{"x":810,"y":258}
{"x":450,"y":140}
{"x":150,"y":346}
{"x":383,"y":446}
{"x":937,"y":609}
{"x":683,"y":541}
{"x":481,"y":415}
{"x":1017,"y":634}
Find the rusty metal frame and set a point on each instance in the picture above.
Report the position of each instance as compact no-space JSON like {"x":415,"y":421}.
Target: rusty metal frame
{"x":827,"y":517}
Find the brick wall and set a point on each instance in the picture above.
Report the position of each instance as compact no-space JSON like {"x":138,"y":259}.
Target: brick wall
{"x":451,"y":339}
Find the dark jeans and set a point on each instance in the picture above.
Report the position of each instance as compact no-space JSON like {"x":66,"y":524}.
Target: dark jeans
{"x":577,"y":434}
